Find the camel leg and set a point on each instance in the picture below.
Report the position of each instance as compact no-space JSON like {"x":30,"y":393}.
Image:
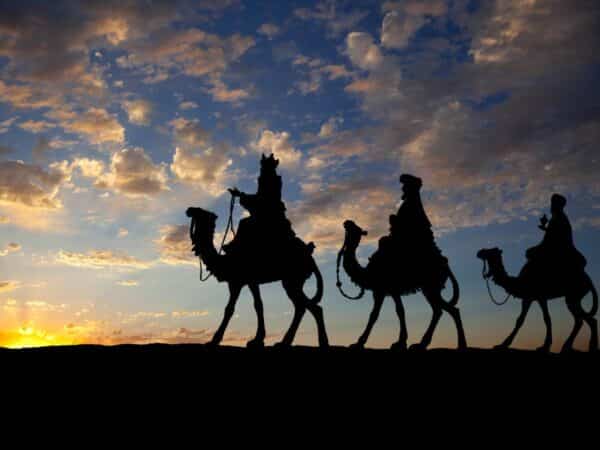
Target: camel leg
{"x":578,"y":315}
{"x":234,"y":293}
{"x":508,"y":341}
{"x":455,"y":314}
{"x":593,"y":324}
{"x":435,"y":318}
{"x":378,"y":298}
{"x":401,"y":344}
{"x":259,"y":339}
{"x":317,"y":312}
{"x":299,"y":310}
{"x":548,"y":323}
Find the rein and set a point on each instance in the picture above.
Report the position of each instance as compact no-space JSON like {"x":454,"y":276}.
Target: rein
{"x":227,"y":229}
{"x":486,"y":277}
{"x":339,"y":283}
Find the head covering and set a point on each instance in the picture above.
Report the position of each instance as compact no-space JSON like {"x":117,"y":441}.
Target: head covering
{"x":558,"y":200}
{"x":411,"y":182}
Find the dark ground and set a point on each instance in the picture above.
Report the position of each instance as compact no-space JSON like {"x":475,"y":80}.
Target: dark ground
{"x":307,"y":386}
{"x":305,"y":364}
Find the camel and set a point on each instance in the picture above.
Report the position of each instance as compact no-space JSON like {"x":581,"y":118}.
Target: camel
{"x":383,"y":281}
{"x":292,"y":271}
{"x":574,"y":289}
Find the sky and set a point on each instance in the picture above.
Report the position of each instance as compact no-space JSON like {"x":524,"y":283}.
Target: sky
{"x":115,"y":116}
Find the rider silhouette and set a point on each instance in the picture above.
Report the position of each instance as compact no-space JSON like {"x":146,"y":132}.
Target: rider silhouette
{"x":557,"y":247}
{"x":267,"y":226}
{"x":410,"y":246}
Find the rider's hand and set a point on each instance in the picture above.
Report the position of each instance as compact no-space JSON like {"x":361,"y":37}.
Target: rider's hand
{"x":234,"y":191}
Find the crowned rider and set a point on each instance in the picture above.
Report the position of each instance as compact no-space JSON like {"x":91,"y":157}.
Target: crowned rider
{"x":267,"y":223}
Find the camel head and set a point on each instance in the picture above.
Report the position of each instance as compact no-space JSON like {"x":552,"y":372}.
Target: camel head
{"x":492,"y":256}
{"x":201,"y":219}
{"x":354,"y":233}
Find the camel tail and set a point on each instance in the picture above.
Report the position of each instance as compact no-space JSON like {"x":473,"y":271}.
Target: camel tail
{"x":594,"y":309}
{"x":316,"y":299}
{"x":455,"y":289}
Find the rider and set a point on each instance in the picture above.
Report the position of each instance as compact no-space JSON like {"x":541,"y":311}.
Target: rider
{"x":411,"y":239}
{"x":557,"y":246}
{"x":267,"y":223}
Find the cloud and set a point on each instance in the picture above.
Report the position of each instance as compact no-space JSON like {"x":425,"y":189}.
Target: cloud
{"x":96,"y":125}
{"x":36,"y":126}
{"x":12,"y":247}
{"x":187,"y":314}
{"x":362,"y":51}
{"x":4,"y":220}
{"x":206,"y":169}
{"x":335,"y":20}
{"x":175,"y":246}
{"x":320,"y":214}
{"x":221,"y":93}
{"x":330,"y":127}
{"x":404,"y":19}
{"x":6,"y":124}
{"x":101,"y":259}
{"x":189,"y":132}
{"x":197,"y":160}
{"x":128,"y":283}
{"x":316,"y":70}
{"x":30,"y":185}
{"x":8,"y":286}
{"x":123,"y":232}
{"x":138,"y":111}
{"x":269,"y":29}
{"x":5,"y":150}
{"x":280,"y":145}
{"x":188,"y":105}
{"x":132,"y":172}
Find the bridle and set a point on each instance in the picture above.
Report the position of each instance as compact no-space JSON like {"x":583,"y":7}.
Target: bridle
{"x":339,"y":282}
{"x":486,"y":276}
{"x":228,"y":228}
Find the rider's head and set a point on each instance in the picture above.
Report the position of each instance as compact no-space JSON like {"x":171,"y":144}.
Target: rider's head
{"x":269,"y":162}
{"x":557,"y":203}
{"x":410,"y":184}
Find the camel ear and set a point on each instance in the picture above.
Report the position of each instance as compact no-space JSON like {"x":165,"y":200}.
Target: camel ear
{"x":364,"y":233}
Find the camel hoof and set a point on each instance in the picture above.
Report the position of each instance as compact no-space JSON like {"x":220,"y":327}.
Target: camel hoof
{"x":543,"y":349}
{"x":501,"y":347}
{"x":211,"y":344}
{"x":567,"y":350}
{"x":357,"y":346}
{"x":418,"y":347}
{"x":255,"y":344}
{"x":398,"y":346}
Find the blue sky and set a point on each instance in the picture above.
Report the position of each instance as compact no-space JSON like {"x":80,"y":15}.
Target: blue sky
{"x":117,"y":116}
